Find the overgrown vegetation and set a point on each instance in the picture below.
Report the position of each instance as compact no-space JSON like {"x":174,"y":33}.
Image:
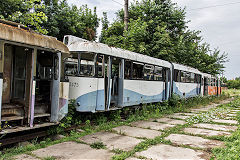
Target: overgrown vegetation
{"x":159,"y":29}
{"x":91,"y":123}
{"x":98,"y":145}
{"x":233,"y":84}
{"x":232,"y":149}
{"x":52,"y":17}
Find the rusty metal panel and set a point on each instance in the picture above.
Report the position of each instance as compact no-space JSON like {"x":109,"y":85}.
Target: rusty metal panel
{"x":17,"y":34}
{"x":7,"y":74}
{"x":1,"y":55}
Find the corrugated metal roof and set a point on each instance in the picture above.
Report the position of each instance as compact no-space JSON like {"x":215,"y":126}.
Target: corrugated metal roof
{"x":18,"y":33}
{"x":80,"y":45}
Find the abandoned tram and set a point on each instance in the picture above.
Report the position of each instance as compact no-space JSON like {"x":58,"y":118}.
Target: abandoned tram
{"x":39,"y":75}
{"x":32,"y":81}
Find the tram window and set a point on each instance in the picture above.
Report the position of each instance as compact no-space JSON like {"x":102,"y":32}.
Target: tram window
{"x":192,"y":76}
{"x":87,"y":64}
{"x":188,"y":77}
{"x":158,"y":73}
{"x":137,"y":71}
{"x":183,"y":76}
{"x":71,"y":67}
{"x":148,"y":72}
{"x":127,"y":70}
{"x":177,"y":75}
{"x":100,"y":65}
{"x":213,"y":82}
{"x":197,"y":78}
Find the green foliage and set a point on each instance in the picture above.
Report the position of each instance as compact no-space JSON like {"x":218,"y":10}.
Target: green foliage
{"x":50,"y":158}
{"x":53,"y":17}
{"x":174,"y":100}
{"x":232,"y":149}
{"x":98,"y":145}
{"x":27,"y":12}
{"x":64,"y":19}
{"x":159,"y":29}
{"x":72,"y":117}
{"x":233,"y":84}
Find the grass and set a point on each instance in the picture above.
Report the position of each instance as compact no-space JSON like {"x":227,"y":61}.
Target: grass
{"x":98,"y":145}
{"x":232,"y":149}
{"x":104,"y":122}
{"x":232,"y":92}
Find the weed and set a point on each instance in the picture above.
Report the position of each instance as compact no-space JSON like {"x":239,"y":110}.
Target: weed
{"x":49,"y":158}
{"x":98,"y":145}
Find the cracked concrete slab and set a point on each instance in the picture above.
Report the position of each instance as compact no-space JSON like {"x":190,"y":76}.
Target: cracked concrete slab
{"x":112,"y":140}
{"x":235,"y":110}
{"x":205,"y":132}
{"x":73,"y":150}
{"x":204,"y":109}
{"x":225,"y":121}
{"x":193,"y":141}
{"x":231,"y":115}
{"x":171,"y":121}
{"x":184,"y":113}
{"x":132,"y":158}
{"x":137,"y":132}
{"x":179,"y":116}
{"x":163,"y":152}
{"x":216,"y":127}
{"x":24,"y":157}
{"x":152,"y":125}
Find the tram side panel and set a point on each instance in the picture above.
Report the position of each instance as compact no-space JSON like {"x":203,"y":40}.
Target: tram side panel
{"x":140,"y":92}
{"x":88,"y":93}
{"x":186,"y":84}
{"x":185,"y":89}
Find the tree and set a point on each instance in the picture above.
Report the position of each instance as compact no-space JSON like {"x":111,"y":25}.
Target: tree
{"x":53,"y":17}
{"x":27,"y":12}
{"x":158,"y":28}
{"x":70,"y":20}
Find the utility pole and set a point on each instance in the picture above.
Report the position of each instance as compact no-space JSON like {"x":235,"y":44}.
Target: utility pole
{"x":126,"y":14}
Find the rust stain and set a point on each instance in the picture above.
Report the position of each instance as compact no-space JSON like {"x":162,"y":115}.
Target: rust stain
{"x":20,"y":35}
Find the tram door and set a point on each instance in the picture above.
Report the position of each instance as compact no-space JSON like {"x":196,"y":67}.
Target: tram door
{"x":19,"y":75}
{"x":115,"y":81}
{"x":111,"y":81}
{"x":205,"y":86}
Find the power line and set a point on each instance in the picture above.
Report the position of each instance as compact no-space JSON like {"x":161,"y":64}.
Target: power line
{"x":117,"y":2}
{"x":213,"y":6}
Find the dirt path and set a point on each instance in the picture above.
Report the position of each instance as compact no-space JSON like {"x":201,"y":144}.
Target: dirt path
{"x":171,"y":137}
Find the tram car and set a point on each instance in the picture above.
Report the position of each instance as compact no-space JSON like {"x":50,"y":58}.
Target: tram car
{"x":186,"y":81}
{"x":33,"y":90}
{"x":104,"y":78}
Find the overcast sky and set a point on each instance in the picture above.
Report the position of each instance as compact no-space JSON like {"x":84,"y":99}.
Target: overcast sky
{"x":219,"y":26}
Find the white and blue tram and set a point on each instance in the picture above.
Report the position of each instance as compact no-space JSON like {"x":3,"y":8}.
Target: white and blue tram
{"x":104,"y":78}
{"x":186,"y":81}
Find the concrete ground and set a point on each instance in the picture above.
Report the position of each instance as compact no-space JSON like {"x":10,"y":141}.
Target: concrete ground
{"x":191,"y":142}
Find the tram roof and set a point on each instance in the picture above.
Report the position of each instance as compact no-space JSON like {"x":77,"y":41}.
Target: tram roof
{"x":15,"y":32}
{"x":76,"y":44}
{"x":186,"y":68}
